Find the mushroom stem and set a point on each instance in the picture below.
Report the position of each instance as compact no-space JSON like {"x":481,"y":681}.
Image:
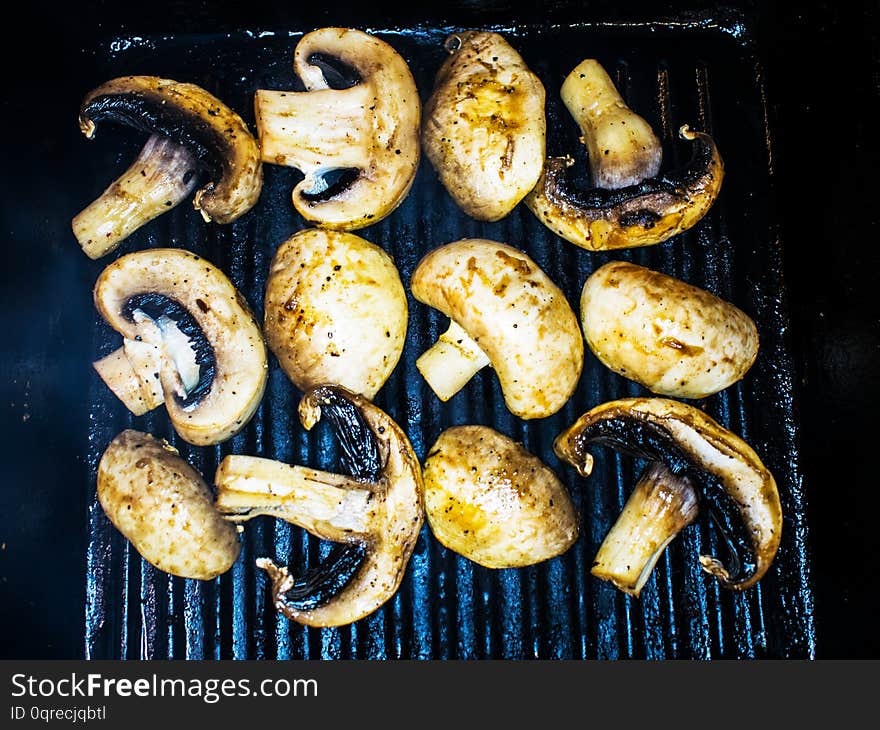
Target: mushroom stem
{"x":289,"y":122}
{"x":662,"y":504}
{"x":451,"y":362}
{"x":330,"y":506}
{"x":136,"y":371}
{"x":163,"y":175}
{"x":133,"y":379}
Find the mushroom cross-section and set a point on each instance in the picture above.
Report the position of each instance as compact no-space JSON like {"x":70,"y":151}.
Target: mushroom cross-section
{"x":192,"y":133}
{"x":484,"y":128}
{"x":643,"y":214}
{"x":694,"y":452}
{"x":190,"y":340}
{"x":505,"y":311}
{"x":374,"y":515}
{"x":366,"y":136}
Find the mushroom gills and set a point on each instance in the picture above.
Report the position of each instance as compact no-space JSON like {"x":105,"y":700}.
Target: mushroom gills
{"x":661,"y":505}
{"x":319,"y":584}
{"x":375,"y":515}
{"x":336,"y":73}
{"x":643,"y":214}
{"x":327,"y":184}
{"x":183,"y":341}
{"x":645,"y":440}
{"x":163,"y":175}
{"x":360,"y":453}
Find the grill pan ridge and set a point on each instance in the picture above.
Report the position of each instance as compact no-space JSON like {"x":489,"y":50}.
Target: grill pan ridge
{"x":698,"y":73}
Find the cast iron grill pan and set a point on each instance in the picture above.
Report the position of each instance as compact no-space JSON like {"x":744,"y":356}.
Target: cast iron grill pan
{"x":703,"y":74}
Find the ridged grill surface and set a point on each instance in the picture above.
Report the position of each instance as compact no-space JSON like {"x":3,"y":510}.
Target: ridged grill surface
{"x":700,"y":74}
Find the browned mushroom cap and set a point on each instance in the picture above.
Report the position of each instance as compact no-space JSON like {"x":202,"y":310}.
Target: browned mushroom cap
{"x":638,"y":215}
{"x":365,"y":135}
{"x":672,"y":337}
{"x":504,"y":310}
{"x":199,"y":133}
{"x":738,"y":489}
{"x":164,"y":507}
{"x":190,"y":340}
{"x":484,"y":128}
{"x":489,"y":499}
{"x":374,"y":515}
{"x":335,"y":311}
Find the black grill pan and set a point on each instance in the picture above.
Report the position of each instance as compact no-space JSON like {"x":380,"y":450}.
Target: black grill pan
{"x":701,"y":70}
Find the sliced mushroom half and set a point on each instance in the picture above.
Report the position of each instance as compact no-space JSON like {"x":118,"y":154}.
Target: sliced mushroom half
{"x":192,"y":133}
{"x":374,"y":515}
{"x":506,"y":311}
{"x":643,"y":214}
{"x":695,"y":452}
{"x":190,"y":340}
{"x":354,"y":132}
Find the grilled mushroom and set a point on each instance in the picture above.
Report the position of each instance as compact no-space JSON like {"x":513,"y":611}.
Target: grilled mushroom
{"x":191,"y":132}
{"x":623,"y":149}
{"x":637,"y":215}
{"x":505,"y":311}
{"x":484,"y":128}
{"x":673,"y":338}
{"x":335,"y":311}
{"x":374,"y":515}
{"x":696,"y":452}
{"x":489,"y":499}
{"x":357,"y":146}
{"x":190,"y":340}
{"x":164,"y":508}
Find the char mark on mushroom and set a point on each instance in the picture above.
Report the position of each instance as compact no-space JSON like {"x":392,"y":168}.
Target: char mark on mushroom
{"x":161,"y":308}
{"x":321,"y":583}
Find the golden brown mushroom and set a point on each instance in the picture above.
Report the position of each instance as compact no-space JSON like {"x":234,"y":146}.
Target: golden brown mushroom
{"x":505,"y":311}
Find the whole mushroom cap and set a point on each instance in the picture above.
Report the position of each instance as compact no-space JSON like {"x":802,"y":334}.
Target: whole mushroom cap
{"x":335,"y":311}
